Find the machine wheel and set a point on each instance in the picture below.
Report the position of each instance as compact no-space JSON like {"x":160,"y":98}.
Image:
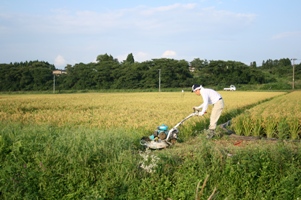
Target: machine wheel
{"x":162,"y":136}
{"x":173,"y":141}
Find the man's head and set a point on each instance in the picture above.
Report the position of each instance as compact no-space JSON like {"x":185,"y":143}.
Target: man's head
{"x":196,"y":89}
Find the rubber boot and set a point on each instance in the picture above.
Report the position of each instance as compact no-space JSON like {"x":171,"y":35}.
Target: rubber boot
{"x":210,"y":134}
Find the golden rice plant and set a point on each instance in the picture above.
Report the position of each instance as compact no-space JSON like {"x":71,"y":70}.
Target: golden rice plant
{"x":279,"y":117}
{"x":257,"y":126}
{"x":270,"y":124}
{"x":237,"y":124}
{"x":247,"y":124}
{"x":294,"y":127}
{"x":283,"y":128}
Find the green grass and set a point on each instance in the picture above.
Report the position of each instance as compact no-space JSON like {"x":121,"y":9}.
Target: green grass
{"x":46,"y":162}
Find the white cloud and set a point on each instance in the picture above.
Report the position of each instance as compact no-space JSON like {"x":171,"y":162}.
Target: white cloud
{"x":121,"y":57}
{"x":286,"y":35}
{"x":169,"y":54}
{"x":144,"y":29}
{"x":59,"y":61}
{"x":138,"y":57}
{"x":153,"y":11}
{"x":175,"y":17}
{"x":141,"y":56}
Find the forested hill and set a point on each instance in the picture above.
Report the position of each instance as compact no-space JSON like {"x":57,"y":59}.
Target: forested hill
{"x":108,"y":73}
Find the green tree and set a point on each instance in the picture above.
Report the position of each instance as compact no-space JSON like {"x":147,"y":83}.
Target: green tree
{"x":130,"y":58}
{"x":106,"y":72}
{"x":198,"y":64}
{"x":105,"y":58}
{"x":32,"y":75}
{"x":253,"y":64}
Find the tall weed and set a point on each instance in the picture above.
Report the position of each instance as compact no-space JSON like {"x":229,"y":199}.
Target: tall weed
{"x":46,"y":162}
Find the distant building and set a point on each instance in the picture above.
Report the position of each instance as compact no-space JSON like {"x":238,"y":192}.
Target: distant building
{"x":59,"y":72}
{"x":191,"y":69}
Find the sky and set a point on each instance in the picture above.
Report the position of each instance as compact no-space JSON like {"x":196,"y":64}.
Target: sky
{"x":63,"y":32}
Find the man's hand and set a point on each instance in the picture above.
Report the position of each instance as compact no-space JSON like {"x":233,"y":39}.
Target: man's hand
{"x":195,"y":109}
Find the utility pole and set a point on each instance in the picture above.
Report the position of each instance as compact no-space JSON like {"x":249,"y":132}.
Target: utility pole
{"x":57,"y":72}
{"x":53,"y":83}
{"x":159,"y":80}
{"x":293,"y":84}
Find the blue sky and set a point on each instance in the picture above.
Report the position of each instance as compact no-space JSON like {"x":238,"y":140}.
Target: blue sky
{"x":65,"y":32}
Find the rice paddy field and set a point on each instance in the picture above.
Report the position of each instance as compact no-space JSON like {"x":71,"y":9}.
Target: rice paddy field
{"x":116,"y":110}
{"x":86,"y":146}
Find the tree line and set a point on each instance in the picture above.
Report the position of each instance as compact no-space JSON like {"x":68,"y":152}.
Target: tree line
{"x":108,"y":73}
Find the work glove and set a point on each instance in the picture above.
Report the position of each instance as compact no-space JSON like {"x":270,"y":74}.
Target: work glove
{"x":200,"y":114}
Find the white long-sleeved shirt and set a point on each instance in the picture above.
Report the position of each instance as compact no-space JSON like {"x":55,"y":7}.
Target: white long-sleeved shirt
{"x":209,"y":97}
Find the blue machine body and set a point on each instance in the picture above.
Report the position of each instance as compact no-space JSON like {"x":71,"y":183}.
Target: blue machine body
{"x":160,"y":129}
